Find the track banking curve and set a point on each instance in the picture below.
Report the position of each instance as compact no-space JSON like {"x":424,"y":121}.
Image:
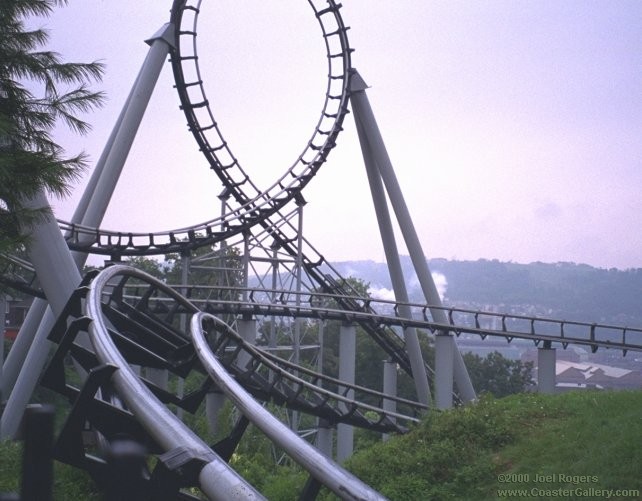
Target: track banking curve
{"x":128,"y":330}
{"x":217,"y":479}
{"x":324,"y":470}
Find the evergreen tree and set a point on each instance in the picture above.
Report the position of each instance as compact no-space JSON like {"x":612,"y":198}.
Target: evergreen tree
{"x":38,"y":91}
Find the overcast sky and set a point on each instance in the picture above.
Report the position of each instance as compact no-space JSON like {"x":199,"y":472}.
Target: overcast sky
{"x":514,"y":126}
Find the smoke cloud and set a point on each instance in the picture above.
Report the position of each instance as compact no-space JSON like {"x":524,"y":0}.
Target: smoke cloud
{"x":441,"y":282}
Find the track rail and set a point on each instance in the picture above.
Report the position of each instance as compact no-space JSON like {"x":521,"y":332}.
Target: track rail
{"x":145,"y":331}
{"x":206,"y":131}
{"x":263,"y":374}
{"x":322,"y":469}
{"x":252,"y":205}
{"x":461,"y":321}
{"x":216,"y":478}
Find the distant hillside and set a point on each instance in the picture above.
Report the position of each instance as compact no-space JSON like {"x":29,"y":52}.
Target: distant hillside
{"x":563,"y":290}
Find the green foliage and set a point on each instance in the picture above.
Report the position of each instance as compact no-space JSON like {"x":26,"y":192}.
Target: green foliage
{"x":440,"y":458}
{"x":498,"y":375}
{"x":592,"y":433}
{"x":563,"y":290}
{"x":458,"y":454}
{"x":69,"y":483}
{"x":38,"y":91}
{"x":148,"y":265}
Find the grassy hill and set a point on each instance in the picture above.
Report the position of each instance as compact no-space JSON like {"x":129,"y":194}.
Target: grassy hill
{"x":572,"y":446}
{"x":582,"y":445}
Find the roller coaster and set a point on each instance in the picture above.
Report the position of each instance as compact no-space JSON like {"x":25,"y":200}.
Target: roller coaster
{"x":134,"y":339}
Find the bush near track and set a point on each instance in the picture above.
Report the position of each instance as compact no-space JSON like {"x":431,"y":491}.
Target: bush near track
{"x":460,"y":454}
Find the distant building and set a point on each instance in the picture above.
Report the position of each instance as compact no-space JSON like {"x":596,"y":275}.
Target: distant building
{"x":580,"y":375}
{"x":15,"y":313}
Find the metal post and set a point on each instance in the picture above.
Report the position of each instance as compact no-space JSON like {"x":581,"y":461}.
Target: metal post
{"x":546,"y":357}
{"x":365,"y":119}
{"x":389,"y":387}
{"x":247,"y":330}
{"x":101,"y":188}
{"x":59,"y":277}
{"x":444,"y":353}
{"x":275,"y":274}
{"x":37,"y":463}
{"x":299,"y":275}
{"x":347,"y":356}
{"x":296,"y":335}
{"x":324,"y":438}
{"x":246,"y":264}
{"x":215,"y":400}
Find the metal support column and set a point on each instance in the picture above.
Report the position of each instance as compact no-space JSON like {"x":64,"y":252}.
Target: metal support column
{"x":386,"y":231}
{"x":347,"y":362}
{"x":324,"y":438}
{"x":59,"y":277}
{"x":90,"y":212}
{"x":444,"y":362}
{"x":296,"y":334}
{"x":300,"y":202}
{"x":389,"y":387}
{"x":325,"y":433}
{"x":247,"y":330}
{"x":546,"y":358}
{"x":275,"y":274}
{"x":215,"y":400}
{"x":364,"y":117}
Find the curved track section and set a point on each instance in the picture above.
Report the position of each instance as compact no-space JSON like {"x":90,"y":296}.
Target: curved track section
{"x":252,"y":205}
{"x":203,"y":125}
{"x":271,"y":378}
{"x":266,"y":376}
{"x":325,"y":471}
{"x":216,"y":478}
{"x":135,"y":320}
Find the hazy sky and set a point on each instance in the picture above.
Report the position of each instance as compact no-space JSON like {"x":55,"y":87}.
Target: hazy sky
{"x":514,"y":126}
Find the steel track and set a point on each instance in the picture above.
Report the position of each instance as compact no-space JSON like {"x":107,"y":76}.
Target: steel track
{"x":252,"y":205}
{"x":143,"y":331}
{"x":254,"y":208}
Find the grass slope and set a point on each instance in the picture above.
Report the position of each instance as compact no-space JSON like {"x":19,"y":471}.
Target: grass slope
{"x":526,"y":446}
{"x":570,"y":446}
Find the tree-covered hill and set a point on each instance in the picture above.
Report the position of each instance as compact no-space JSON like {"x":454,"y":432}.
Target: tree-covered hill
{"x":562,"y":290}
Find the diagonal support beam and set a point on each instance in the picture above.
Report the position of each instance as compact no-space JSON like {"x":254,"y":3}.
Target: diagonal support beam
{"x":373,"y":145}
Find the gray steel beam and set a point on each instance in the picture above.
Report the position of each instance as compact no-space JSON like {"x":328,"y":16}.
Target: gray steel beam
{"x":59,"y":277}
{"x":546,"y":359}
{"x":90,"y":212}
{"x":347,"y":357}
{"x":364,"y":116}
{"x":389,"y":243}
{"x":389,"y":387}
